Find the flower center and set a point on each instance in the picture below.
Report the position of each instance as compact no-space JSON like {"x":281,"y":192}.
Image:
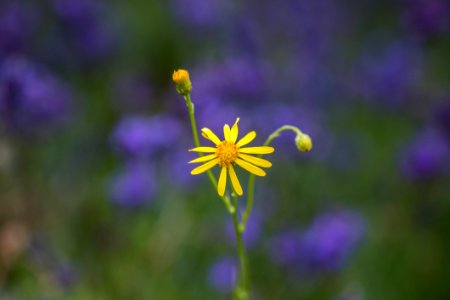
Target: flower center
{"x":227,"y":153}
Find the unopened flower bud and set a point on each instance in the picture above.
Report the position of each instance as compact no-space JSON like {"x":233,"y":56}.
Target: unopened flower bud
{"x":182,"y":81}
{"x":303,"y":142}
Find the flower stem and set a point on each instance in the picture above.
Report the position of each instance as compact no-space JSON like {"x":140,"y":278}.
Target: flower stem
{"x":190,"y":107}
{"x":251,"y":178}
{"x":212,"y":178}
{"x":277,"y":132}
{"x":242,"y":289}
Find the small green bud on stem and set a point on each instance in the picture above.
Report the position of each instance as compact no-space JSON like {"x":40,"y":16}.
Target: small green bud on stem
{"x":182,"y":82}
{"x":303,"y":142}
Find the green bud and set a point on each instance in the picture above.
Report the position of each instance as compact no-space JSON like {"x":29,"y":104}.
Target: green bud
{"x":303,"y":142}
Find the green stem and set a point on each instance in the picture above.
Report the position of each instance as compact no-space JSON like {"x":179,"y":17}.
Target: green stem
{"x":190,"y":107}
{"x":242,"y":289}
{"x":251,"y":178}
{"x":211,"y":176}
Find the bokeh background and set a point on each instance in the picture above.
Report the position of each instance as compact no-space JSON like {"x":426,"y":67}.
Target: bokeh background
{"x":96,"y":199}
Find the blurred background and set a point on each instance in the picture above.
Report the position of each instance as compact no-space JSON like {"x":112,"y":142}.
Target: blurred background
{"x":96,"y":199}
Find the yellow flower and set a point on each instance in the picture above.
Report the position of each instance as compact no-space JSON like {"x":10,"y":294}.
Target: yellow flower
{"x":229,"y":153}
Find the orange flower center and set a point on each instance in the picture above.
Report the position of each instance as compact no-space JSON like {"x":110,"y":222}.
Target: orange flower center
{"x":227,"y":153}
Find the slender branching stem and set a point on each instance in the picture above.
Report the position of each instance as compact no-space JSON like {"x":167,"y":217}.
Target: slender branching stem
{"x":251,"y":178}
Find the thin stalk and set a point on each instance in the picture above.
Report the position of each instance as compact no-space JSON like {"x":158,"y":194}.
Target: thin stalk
{"x":211,"y":176}
{"x":251,"y":178}
{"x":242,"y":289}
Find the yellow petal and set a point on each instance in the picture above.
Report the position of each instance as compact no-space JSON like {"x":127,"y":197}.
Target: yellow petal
{"x":203,"y":158}
{"x":227,"y":132}
{"x":257,"y":150}
{"x":246,"y":139}
{"x":256,"y":161}
{"x":234,"y":131}
{"x":205,"y":167}
{"x":203,"y":149}
{"x":222,"y":181}
{"x":209,"y":135}
{"x":249,"y":167}
{"x":235,"y":181}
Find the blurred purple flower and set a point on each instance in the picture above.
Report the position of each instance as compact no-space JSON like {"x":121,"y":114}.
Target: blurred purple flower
{"x":311,"y":79}
{"x":200,"y":14}
{"x":427,"y":17}
{"x":215,"y":114}
{"x":247,"y":36}
{"x":222,"y":274}
{"x":252,"y":233}
{"x":311,"y":26}
{"x":427,"y":156}
{"x":138,"y":136}
{"x":244,"y":78}
{"x":442,"y":117}
{"x":80,"y":12}
{"x":134,"y":186}
{"x":31,"y":98}
{"x":87,"y":29}
{"x":285,"y":248}
{"x":316,"y":24}
{"x":330,"y":240}
{"x":17,"y":22}
{"x":392,"y":75}
{"x":239,"y":80}
{"x":208,"y":86}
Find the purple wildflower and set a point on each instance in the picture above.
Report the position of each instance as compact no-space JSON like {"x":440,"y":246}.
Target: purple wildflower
{"x":311,"y":25}
{"x":199,"y":13}
{"x":222,"y":274}
{"x":316,"y":24}
{"x":214,"y":114}
{"x":330,"y":240}
{"x":253,"y":230}
{"x":237,"y":79}
{"x":17,"y":22}
{"x":134,"y":186}
{"x":209,"y":85}
{"x":427,"y":17}
{"x":244,"y":78}
{"x":442,"y":118}
{"x":285,"y":248}
{"x":427,"y":156}
{"x":138,"y":136}
{"x":31,"y":98}
{"x":87,"y":29}
{"x":390,"y":76}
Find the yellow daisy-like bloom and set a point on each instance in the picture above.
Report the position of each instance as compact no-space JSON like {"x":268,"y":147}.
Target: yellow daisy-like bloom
{"x":229,"y":153}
